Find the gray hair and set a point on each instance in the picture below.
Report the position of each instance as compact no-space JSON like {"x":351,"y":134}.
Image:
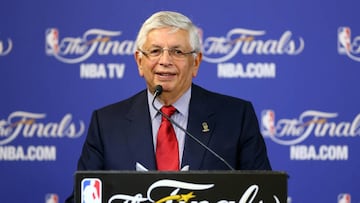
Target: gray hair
{"x":172,"y":19}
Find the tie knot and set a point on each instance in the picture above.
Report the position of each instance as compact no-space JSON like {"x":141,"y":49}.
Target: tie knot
{"x":168,"y":110}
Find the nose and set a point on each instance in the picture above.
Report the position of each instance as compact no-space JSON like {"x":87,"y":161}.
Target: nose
{"x":165,"y":58}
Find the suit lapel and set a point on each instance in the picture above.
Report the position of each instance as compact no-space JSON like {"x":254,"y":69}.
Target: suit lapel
{"x":201,"y":124}
{"x":140,"y":140}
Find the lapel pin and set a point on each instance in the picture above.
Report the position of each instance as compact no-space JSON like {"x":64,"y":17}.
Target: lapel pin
{"x":205,"y":127}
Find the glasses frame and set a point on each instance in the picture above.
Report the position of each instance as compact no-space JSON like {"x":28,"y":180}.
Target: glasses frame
{"x":170,"y":51}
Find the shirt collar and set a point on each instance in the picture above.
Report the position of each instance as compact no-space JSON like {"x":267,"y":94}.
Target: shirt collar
{"x":181,"y":105}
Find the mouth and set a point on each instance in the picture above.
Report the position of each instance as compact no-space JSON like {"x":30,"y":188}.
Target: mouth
{"x":165,"y":75}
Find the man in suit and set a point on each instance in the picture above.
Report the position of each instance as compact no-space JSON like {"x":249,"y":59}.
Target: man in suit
{"x":124,"y":135}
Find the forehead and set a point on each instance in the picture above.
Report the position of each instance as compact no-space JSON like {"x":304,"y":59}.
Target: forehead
{"x":168,"y":37}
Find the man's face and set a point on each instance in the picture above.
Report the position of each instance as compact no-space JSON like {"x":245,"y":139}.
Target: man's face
{"x":174,"y":74}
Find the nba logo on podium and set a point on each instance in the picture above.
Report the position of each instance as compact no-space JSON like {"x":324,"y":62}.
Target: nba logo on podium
{"x":344,"y":198}
{"x":91,"y":190}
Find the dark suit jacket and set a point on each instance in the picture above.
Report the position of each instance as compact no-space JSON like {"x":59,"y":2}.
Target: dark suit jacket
{"x":120,"y":135}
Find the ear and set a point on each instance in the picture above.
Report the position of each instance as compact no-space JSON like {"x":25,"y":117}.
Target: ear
{"x":138,"y":59}
{"x":197,"y":62}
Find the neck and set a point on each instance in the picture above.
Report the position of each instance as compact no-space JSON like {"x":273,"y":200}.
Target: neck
{"x":170,"y":97}
{"x":166,"y":98}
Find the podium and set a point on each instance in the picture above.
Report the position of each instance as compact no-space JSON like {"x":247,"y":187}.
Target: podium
{"x":182,"y":187}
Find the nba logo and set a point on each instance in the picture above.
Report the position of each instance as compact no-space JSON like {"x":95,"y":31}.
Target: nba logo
{"x":344,"y":40}
{"x":344,"y":198}
{"x":51,"y":198}
{"x":268,"y":122}
{"x":52,"y":41}
{"x":91,"y":190}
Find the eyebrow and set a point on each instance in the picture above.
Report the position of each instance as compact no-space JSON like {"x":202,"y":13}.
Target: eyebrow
{"x":172,"y":47}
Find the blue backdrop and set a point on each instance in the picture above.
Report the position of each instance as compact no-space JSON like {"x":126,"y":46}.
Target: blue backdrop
{"x":297,"y":61}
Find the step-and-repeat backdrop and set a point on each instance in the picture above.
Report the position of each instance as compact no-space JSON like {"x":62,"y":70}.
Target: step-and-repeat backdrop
{"x":297,"y":61}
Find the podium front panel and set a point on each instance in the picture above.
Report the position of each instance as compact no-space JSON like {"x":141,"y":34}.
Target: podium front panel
{"x":171,"y":187}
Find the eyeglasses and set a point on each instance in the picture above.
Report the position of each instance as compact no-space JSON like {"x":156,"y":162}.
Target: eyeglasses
{"x":154,"y":53}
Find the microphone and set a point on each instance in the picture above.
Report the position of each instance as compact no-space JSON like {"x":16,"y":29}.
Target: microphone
{"x":157,"y":92}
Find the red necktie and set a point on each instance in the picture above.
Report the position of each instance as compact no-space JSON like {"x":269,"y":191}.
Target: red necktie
{"x":167,"y":149}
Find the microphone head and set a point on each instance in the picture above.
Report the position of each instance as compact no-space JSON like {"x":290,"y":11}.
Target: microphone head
{"x":158,"y":90}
